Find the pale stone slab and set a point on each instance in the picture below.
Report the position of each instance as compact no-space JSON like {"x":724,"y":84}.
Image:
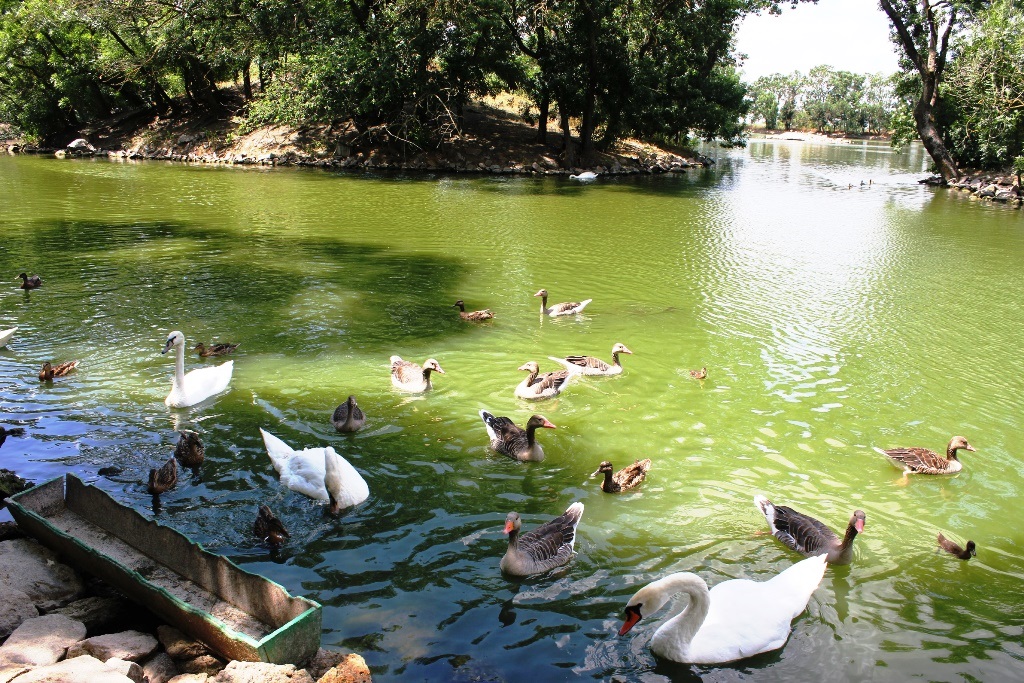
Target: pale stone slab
{"x":83,"y":669}
{"x":352,"y":669}
{"x":190,"y":678}
{"x":178,"y":645}
{"x":131,"y":670}
{"x":130,"y":645}
{"x":15,"y":607}
{"x":34,"y":570}
{"x":261,"y":672}
{"x":42,"y":640}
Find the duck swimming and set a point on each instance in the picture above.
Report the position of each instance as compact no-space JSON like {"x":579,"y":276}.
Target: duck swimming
{"x":48,"y":372}
{"x":699,"y":374}
{"x":565,"y":308}
{"x":955,"y":550}
{"x":269,"y":528}
{"x":190,"y":451}
{"x":807,"y":535}
{"x":165,"y":478}
{"x":12,"y":431}
{"x":509,"y":439}
{"x":215,"y":349}
{"x":589,"y":365}
{"x":537,"y":386}
{"x":627,"y":478}
{"x":548,"y":546}
{"x":30,"y":282}
{"x":485,"y":314}
{"x":408,"y":376}
{"x":924,"y":461}
{"x":348,"y":417}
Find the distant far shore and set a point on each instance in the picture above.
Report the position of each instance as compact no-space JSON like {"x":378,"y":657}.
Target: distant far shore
{"x":812,"y":135}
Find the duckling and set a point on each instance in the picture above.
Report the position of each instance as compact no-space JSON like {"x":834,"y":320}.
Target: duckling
{"x":485,"y":314}
{"x":348,"y":417}
{"x":48,"y":371}
{"x":269,"y":528}
{"x":699,"y":374}
{"x":165,"y":478}
{"x":190,"y":451}
{"x":954,"y":549}
{"x":30,"y":282}
{"x":923,"y":461}
{"x":215,"y":349}
{"x":565,"y":308}
{"x":626,"y":478}
{"x":12,"y":431}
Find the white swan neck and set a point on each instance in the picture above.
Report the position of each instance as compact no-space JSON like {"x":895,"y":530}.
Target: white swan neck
{"x":678,"y":631}
{"x":179,"y":367}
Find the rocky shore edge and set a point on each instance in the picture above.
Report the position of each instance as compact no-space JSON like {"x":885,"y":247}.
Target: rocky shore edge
{"x":984,"y":186}
{"x":194,"y":149}
{"x":57,"y":625}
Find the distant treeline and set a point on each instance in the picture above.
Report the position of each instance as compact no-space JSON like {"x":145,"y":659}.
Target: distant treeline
{"x":826,"y":100}
{"x":650,"y":68}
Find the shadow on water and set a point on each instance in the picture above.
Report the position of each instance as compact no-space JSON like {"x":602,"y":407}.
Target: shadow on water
{"x":157,"y":270}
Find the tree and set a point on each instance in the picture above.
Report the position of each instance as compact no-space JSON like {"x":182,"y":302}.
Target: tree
{"x":923,"y":29}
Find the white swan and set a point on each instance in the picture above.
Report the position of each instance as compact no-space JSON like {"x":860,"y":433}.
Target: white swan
{"x":736,"y":619}
{"x":585,"y":177}
{"x":198,"y":385}
{"x":319,"y":473}
{"x":5,"y":336}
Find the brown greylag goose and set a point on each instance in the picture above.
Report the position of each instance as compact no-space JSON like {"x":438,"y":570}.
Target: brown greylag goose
{"x":626,"y":478}
{"x":924,"y":461}
{"x":589,"y":365}
{"x":48,"y":372}
{"x":955,"y":550}
{"x":546,"y":547}
{"x":485,"y":314}
{"x":565,"y":308}
{"x":537,"y":386}
{"x":190,"y":451}
{"x":215,"y":349}
{"x":269,"y":528}
{"x":30,"y":282}
{"x":348,"y":417}
{"x":511,"y":440}
{"x":409,"y":376}
{"x":165,"y":478}
{"x":807,"y":535}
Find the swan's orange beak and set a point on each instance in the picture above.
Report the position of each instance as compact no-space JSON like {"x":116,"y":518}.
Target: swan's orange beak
{"x":632,"y":617}
{"x":508,"y":527}
{"x":859,"y":526}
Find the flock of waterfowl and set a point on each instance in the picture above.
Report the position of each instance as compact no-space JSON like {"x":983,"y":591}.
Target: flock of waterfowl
{"x":733,"y":620}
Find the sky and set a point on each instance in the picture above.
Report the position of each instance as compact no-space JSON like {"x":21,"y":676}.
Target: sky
{"x":852,"y":35}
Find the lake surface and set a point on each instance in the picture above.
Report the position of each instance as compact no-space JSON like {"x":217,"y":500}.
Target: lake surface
{"x":833,"y":317}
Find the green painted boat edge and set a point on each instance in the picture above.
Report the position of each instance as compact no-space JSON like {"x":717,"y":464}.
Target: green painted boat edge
{"x":291,"y":643}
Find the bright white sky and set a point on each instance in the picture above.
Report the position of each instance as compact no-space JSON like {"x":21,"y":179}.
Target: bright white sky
{"x":852,"y":35}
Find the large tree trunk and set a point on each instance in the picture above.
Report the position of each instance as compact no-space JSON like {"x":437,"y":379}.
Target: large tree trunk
{"x":930,"y":64}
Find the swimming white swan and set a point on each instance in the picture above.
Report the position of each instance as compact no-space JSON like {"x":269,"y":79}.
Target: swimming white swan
{"x":319,"y":473}
{"x":198,"y":385}
{"x":736,"y":619}
{"x":585,"y":177}
{"x":5,"y":336}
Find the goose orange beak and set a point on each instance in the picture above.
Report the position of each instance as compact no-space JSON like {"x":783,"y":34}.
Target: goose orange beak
{"x":508,"y":527}
{"x":548,"y":425}
{"x":859,"y":526}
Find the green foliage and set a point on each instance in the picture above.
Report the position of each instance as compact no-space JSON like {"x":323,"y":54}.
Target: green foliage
{"x":985,"y":89}
{"x":825,"y":99}
{"x":400,"y":68}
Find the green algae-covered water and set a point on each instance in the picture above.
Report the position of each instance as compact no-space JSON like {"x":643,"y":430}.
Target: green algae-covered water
{"x":833,"y":318}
